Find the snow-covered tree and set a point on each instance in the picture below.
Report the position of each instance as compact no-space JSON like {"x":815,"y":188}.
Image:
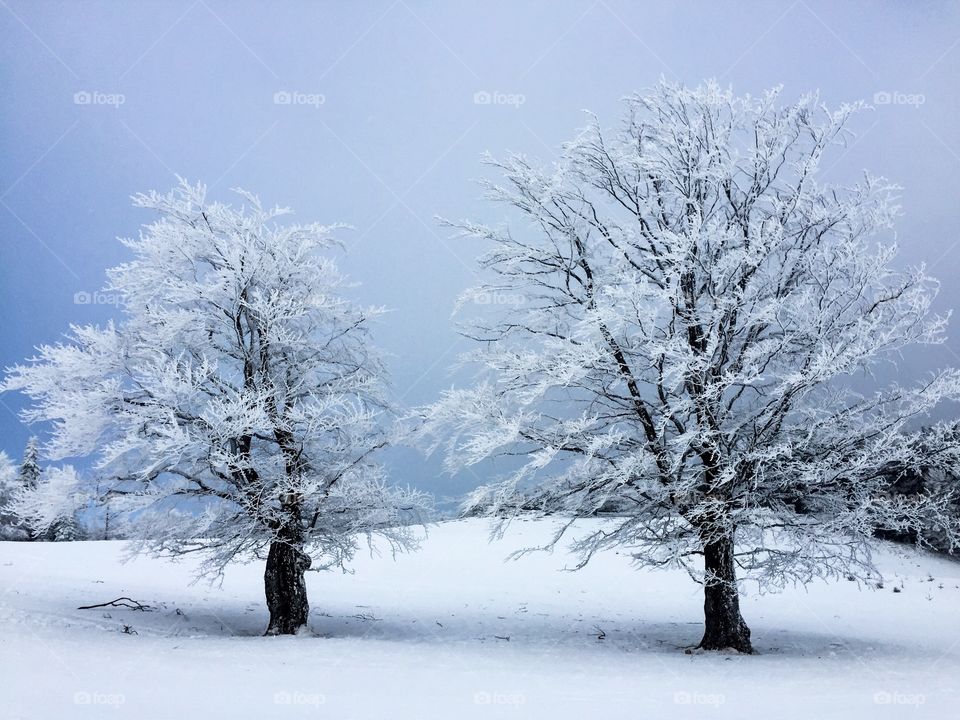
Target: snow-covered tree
{"x":67,"y":529}
{"x":11,"y":526}
{"x":15,"y":483}
{"x":28,"y":478}
{"x":703,"y":318}
{"x":30,"y":470}
{"x":51,"y":505}
{"x":236,"y":408}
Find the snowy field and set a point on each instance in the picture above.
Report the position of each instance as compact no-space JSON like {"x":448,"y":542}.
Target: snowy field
{"x":454,"y":632}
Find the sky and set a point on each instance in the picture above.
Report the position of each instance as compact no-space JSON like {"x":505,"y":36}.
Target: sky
{"x":376,"y":114}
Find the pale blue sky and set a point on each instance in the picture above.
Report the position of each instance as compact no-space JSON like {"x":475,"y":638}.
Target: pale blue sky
{"x":398,"y":134}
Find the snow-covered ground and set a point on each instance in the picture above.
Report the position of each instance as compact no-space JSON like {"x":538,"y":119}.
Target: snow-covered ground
{"x":455,"y":632}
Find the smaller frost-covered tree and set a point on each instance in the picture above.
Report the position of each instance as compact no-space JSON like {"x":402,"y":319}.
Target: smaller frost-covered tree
{"x":42,"y":504}
{"x":29,"y":478}
{"x":11,"y":526}
{"x":236,"y":408}
{"x":703,"y":318}
{"x":52,"y":505}
{"x":30,"y":470}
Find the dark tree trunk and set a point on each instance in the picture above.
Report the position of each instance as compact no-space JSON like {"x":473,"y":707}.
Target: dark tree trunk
{"x":724,"y":628}
{"x":285,"y":588}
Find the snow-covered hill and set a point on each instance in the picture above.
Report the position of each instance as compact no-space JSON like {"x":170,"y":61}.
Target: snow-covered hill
{"x":455,"y":632}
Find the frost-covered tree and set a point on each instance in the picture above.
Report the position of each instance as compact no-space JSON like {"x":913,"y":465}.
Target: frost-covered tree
{"x":28,"y":478}
{"x":30,"y":470}
{"x":702,"y":323}
{"x":11,"y":526}
{"x":236,"y":408}
{"x":51,"y":505}
{"x":15,"y":482}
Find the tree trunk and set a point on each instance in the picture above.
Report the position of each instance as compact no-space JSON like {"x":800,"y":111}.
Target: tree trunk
{"x":724,"y":627}
{"x":285,"y":588}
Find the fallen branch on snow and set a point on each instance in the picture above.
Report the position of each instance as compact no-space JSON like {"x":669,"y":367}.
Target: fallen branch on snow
{"x":119,"y":602}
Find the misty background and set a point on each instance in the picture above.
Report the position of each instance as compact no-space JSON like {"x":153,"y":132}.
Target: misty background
{"x":376,"y":114}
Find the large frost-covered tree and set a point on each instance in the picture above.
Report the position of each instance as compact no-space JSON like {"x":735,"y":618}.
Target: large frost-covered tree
{"x":236,"y":408}
{"x":703,"y":320}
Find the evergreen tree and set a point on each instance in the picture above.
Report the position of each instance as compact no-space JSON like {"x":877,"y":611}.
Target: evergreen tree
{"x":28,"y":479}
{"x":11,"y":527}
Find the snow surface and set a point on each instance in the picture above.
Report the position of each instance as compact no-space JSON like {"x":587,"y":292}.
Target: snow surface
{"x":426,"y":637}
